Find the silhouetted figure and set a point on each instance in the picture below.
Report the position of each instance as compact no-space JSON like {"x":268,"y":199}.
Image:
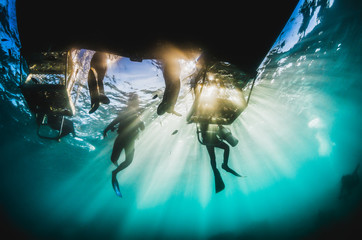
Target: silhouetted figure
{"x":171,"y":75}
{"x":97,"y":71}
{"x":128,"y":129}
{"x":349,"y":182}
{"x":55,"y":122}
{"x":211,"y":138}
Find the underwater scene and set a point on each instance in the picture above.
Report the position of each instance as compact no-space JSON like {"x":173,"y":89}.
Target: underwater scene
{"x":292,"y":137}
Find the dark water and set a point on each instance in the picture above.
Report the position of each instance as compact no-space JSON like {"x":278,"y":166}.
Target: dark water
{"x":299,"y":135}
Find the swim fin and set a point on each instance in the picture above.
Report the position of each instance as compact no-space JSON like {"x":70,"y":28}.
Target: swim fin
{"x":161,"y":109}
{"x":219,"y":183}
{"x":103,"y":99}
{"x":226,"y":168}
{"x":94,"y":107}
{"x":115,"y":186}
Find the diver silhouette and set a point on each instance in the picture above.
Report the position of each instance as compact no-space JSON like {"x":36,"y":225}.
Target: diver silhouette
{"x":129,"y":126}
{"x":212,"y":136}
{"x":349,"y":182}
{"x":97,"y":71}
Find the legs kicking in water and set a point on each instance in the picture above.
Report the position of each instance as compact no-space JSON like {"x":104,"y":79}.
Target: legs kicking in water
{"x":225,"y":166}
{"x":117,"y":149}
{"x":219,"y":183}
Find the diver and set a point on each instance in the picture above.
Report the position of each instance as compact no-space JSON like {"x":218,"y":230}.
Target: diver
{"x":55,"y":122}
{"x":129,"y":126}
{"x":213,"y":136}
{"x":349,"y":182}
{"x":97,"y":71}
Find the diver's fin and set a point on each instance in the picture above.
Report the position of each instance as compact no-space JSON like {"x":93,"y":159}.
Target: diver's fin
{"x":219,"y":183}
{"x":104,"y":99}
{"x":161,"y":109}
{"x":115,"y":186}
{"x":226,"y":168}
{"x":95,"y":106}
{"x":219,"y":186}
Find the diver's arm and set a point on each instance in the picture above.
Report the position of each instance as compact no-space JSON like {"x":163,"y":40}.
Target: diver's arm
{"x":111,"y":125}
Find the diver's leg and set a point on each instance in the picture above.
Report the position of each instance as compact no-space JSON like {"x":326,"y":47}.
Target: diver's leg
{"x":226,"y":149}
{"x":102,"y":96}
{"x":224,"y":165}
{"x":219,"y":183}
{"x":171,"y":75}
{"x":93,"y":90}
{"x":211,"y":151}
{"x":117,"y":149}
{"x":129,"y":158}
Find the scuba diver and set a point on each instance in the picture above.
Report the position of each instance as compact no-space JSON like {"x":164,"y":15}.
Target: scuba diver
{"x":55,"y":122}
{"x":97,"y":71}
{"x":213,"y":136}
{"x":349,"y":182}
{"x":128,"y":129}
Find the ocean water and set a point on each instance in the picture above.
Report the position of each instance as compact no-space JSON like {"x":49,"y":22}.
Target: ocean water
{"x":299,"y":135}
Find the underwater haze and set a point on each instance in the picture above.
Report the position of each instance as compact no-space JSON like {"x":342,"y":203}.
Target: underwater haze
{"x":300,"y":133}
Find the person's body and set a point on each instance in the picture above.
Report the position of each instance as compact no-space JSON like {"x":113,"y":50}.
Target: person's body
{"x":129,"y":127}
{"x":97,"y":71}
{"x":55,"y":122}
{"x":211,"y":140}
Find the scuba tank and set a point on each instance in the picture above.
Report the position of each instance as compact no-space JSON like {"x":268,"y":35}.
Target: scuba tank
{"x":225,"y":134}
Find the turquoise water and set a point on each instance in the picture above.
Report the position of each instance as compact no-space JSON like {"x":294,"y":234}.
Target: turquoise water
{"x":299,"y":135}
